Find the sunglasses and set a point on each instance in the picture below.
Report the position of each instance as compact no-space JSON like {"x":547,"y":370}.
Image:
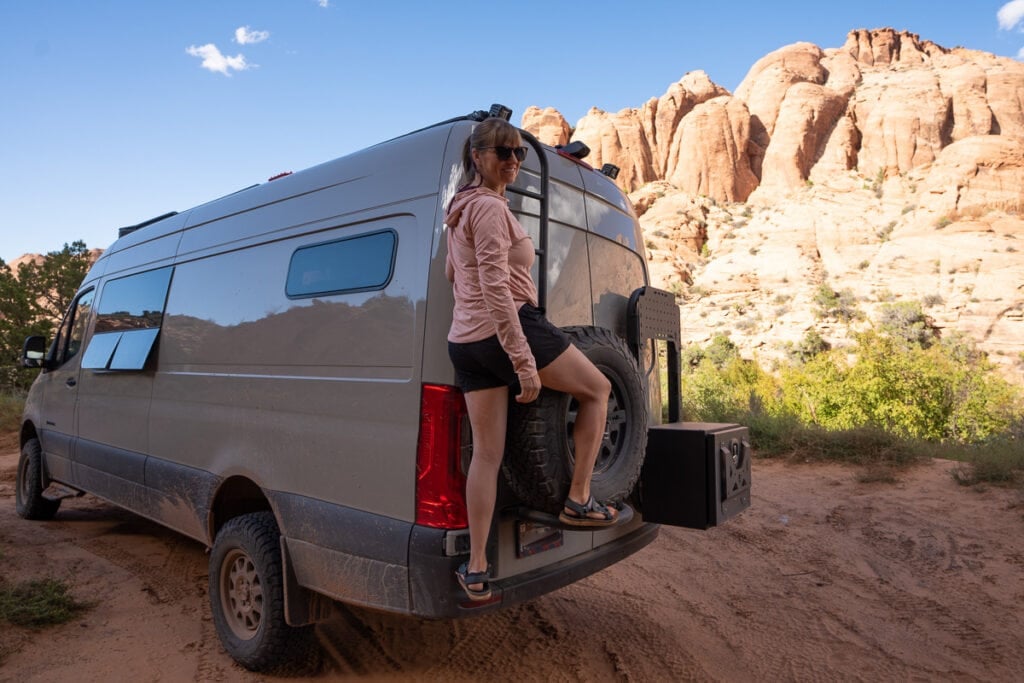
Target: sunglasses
{"x":505,"y":153}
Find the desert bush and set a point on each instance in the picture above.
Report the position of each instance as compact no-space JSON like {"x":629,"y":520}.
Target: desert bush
{"x":945,"y":393}
{"x":11,"y":406}
{"x":42,"y":602}
{"x":810,"y":346}
{"x":906,"y":321}
{"x":841,"y":305}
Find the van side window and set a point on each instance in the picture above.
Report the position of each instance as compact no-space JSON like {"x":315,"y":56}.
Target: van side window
{"x":128,"y":319}
{"x":72,"y":330}
{"x":354,"y":264}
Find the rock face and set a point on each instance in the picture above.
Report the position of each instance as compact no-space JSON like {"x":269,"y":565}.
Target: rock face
{"x":642,"y":142}
{"x":885,"y":102}
{"x":714,"y":142}
{"x":891,"y":166}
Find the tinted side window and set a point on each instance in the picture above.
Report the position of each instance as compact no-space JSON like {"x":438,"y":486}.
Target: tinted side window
{"x":128,"y":319}
{"x":355,"y":264}
{"x":135,"y":302}
{"x":72,"y":330}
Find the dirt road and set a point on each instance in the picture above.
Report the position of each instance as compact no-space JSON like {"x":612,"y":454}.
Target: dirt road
{"x":823,"y":578}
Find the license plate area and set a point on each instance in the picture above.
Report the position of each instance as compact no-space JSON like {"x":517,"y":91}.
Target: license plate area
{"x":533,"y":538}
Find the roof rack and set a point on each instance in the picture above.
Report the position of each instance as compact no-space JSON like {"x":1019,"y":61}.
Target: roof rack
{"x":129,"y":229}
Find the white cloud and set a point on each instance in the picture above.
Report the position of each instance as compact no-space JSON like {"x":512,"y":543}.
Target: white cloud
{"x":327,"y":3}
{"x":245,"y":36}
{"x":1010,"y":14}
{"x":213,"y":60}
{"x":1020,"y":53}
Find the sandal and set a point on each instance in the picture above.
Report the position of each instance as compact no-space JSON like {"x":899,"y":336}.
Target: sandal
{"x":576,"y":514}
{"x":467,"y":578}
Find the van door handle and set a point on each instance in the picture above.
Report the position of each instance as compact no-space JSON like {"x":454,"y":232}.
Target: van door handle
{"x":70,"y":381}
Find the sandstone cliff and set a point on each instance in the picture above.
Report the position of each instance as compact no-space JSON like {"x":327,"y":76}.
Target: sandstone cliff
{"x":891,"y":167}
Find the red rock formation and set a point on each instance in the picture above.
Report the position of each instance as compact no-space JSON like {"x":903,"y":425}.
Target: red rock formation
{"x":714,"y":140}
{"x":976,"y":175}
{"x":885,"y":101}
{"x":548,"y":125}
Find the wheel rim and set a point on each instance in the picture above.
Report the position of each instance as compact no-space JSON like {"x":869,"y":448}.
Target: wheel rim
{"x":614,"y":427}
{"x":241,"y":594}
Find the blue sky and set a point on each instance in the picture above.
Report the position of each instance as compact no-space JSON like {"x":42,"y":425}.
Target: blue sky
{"x":114,"y":111}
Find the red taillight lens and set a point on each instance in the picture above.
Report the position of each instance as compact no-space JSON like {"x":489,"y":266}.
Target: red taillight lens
{"x":440,"y":484}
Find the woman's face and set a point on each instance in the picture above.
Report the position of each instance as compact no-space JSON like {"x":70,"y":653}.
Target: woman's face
{"x":496,"y":173}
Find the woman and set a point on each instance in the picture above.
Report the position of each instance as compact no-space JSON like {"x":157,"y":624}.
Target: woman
{"x":499,"y":338}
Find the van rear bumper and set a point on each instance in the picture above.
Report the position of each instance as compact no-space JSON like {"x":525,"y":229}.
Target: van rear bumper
{"x":434,"y":593}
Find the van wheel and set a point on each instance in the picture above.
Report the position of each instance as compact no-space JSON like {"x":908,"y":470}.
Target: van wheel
{"x":247,"y":598}
{"x":539,"y":445}
{"x":29,"y":501}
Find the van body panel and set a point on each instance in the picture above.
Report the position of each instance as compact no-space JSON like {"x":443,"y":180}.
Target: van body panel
{"x":350,"y":578}
{"x":330,"y":525}
{"x":145,"y":255}
{"x":57,"y":419}
{"x":156,"y":232}
{"x":111,"y":461}
{"x":345,"y":553}
{"x":378,"y":176}
{"x":180,"y":496}
{"x":294,"y":386}
{"x":113,"y":409}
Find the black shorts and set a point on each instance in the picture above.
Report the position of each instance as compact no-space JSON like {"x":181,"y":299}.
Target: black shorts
{"x":484,"y":364}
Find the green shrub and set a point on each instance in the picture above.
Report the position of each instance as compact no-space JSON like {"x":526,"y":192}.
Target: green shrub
{"x":11,"y":407}
{"x":810,"y":346}
{"x":841,"y":305}
{"x":906,"y":321}
{"x":945,"y":393}
{"x":43,"y":602}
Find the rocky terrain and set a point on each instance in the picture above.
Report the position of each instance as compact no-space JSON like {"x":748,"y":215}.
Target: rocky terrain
{"x":890,"y":167}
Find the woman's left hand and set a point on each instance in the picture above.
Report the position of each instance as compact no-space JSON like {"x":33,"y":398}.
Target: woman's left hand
{"x":529,"y":388}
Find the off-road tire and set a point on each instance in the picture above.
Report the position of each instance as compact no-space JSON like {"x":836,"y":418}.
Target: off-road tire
{"x":29,"y":501}
{"x":539,"y":458}
{"x":246,"y":587}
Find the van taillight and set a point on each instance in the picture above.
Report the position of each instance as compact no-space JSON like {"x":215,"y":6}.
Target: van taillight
{"x":440,"y":483}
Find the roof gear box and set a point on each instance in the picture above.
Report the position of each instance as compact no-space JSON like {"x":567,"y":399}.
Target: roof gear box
{"x":695,"y":474}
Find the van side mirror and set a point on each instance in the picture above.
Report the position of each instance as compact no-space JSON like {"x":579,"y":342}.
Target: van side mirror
{"x":33,"y":353}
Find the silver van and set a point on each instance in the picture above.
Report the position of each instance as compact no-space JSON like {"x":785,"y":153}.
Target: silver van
{"x":268,"y":374}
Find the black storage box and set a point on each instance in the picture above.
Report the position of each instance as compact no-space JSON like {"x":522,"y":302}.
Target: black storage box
{"x":695,"y":474}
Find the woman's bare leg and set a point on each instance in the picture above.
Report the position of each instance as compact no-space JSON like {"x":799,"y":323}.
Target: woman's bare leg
{"x":574,"y":374}
{"x":488,"y":416}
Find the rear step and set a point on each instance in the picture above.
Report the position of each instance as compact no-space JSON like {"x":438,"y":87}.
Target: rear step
{"x":524,"y":514}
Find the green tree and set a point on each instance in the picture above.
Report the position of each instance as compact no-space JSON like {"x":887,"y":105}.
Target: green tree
{"x":52,"y":284}
{"x":16,"y":316}
{"x":33,"y":301}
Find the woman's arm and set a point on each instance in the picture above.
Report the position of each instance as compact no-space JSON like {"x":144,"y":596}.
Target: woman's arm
{"x":492,"y":243}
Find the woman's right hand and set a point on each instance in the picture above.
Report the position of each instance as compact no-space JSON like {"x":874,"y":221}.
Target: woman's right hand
{"x":529,"y":388}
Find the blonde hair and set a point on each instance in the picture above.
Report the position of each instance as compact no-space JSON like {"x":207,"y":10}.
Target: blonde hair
{"x":492,"y":132}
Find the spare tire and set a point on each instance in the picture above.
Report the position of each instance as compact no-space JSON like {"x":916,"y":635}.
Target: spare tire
{"x":539,"y":455}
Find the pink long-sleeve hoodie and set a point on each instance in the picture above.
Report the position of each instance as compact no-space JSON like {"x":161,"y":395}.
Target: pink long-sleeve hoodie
{"x":489,"y":261}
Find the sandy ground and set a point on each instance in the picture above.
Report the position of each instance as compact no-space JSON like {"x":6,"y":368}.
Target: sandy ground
{"x":823,"y":578}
